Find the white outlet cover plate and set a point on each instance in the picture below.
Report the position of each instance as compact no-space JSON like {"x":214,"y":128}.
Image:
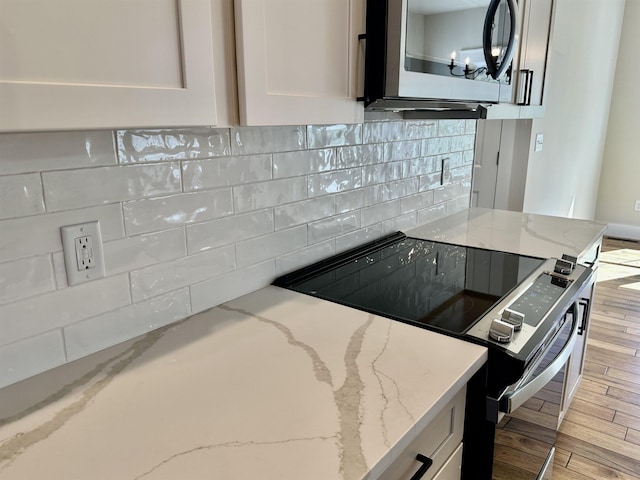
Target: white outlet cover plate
{"x":637,"y":205}
{"x":69,"y":233}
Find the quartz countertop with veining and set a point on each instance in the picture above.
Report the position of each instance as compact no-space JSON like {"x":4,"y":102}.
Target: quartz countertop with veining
{"x":514,"y":232}
{"x":273,"y":385}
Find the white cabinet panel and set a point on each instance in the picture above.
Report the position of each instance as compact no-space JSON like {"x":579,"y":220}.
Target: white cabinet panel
{"x":298,"y":61}
{"x":78,"y":64}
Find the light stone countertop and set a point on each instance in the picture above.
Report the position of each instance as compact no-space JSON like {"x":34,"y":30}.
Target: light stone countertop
{"x":273,"y":385}
{"x":527,"y":234}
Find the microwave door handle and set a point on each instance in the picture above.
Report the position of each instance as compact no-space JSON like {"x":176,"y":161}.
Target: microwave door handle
{"x":520,"y":395}
{"x":493,"y":69}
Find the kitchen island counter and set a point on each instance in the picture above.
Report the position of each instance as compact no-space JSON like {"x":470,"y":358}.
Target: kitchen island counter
{"x":273,"y":385}
{"x":514,"y":232}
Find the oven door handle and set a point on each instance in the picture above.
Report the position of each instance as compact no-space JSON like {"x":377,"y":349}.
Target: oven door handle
{"x":513,"y":400}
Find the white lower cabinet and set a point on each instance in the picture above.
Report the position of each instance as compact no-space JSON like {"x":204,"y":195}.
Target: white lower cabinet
{"x":440,"y":441}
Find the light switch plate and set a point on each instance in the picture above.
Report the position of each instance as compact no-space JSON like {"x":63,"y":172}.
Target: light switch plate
{"x":83,"y":254}
{"x":539,"y":142}
{"x":637,"y":208}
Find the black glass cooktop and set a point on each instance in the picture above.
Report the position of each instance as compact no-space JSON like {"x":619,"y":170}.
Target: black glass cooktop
{"x":436,"y":285}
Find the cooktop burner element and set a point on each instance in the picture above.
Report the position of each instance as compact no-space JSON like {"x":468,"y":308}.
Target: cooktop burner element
{"x":438,"y":285}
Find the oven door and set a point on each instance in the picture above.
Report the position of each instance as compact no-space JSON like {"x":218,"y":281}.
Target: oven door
{"x":530,"y":410}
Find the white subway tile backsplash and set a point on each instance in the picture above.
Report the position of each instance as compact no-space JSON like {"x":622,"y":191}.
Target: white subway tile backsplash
{"x":31,"y":356}
{"x":225,"y":171}
{"x":380,"y":213}
{"x":227,"y":230}
{"x":334,"y":182}
{"x":135,"y":146}
{"x":37,"y":152}
{"x":20,"y":195}
{"x":268,"y":194}
{"x":165,"y":277}
{"x":353,"y":239}
{"x":320,"y":136}
{"x":358,"y":155}
{"x":97,"y":186}
{"x":231,"y":285}
{"x":151,"y":214}
{"x":356,"y":199}
{"x":402,"y":150}
{"x":305,"y":256}
{"x":26,"y":277}
{"x":382,"y":172}
{"x":271,"y":245}
{"x":293,"y":164}
{"x":304,"y":212}
{"x":252,"y":140}
{"x":140,"y":251}
{"x":100,"y":332}
{"x":49,"y":311}
{"x":210,"y":214}
{"x":333,"y":227}
{"x":37,"y":234}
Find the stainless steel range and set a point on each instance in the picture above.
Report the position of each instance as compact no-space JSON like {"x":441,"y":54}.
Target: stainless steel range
{"x":528,"y":311}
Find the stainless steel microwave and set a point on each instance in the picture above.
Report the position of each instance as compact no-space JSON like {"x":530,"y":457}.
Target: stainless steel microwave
{"x":439,"y":54}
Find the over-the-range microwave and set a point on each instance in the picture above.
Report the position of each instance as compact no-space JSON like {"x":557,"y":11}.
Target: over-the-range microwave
{"x":439,"y":54}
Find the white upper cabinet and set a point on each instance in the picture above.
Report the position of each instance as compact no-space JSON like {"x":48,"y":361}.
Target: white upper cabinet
{"x":81,"y":64}
{"x":299,"y":61}
{"x":533,"y":54}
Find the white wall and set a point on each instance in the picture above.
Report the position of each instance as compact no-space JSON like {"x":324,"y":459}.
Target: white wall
{"x":563,"y":179}
{"x":620,"y":178}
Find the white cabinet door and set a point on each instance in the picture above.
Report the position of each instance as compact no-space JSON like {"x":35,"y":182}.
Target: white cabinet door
{"x":533,"y":55}
{"x":79,"y":64}
{"x":298,"y":61}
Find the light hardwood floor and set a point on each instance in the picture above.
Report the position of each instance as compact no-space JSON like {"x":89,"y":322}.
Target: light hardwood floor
{"x":600,"y":435}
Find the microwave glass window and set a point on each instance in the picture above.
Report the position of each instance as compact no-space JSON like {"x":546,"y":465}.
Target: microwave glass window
{"x":445,"y":37}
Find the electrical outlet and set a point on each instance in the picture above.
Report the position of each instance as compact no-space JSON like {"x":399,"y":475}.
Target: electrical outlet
{"x":637,"y":205}
{"x":83,"y":255}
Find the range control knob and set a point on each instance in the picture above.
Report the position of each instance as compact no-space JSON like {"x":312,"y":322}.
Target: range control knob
{"x":563,"y":267}
{"x":513,"y":318}
{"x":501,"y":331}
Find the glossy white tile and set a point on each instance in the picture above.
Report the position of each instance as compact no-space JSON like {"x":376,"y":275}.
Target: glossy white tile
{"x":227,"y":230}
{"x":293,"y":164}
{"x":382,"y":172}
{"x":225,"y":171}
{"x":417,"y":129}
{"x":470,"y":126}
{"x":353,"y":239}
{"x":448,"y":192}
{"x":135,"y":146}
{"x":271,"y":245}
{"x":268,"y":194}
{"x":402,"y":223}
{"x":375,"y":132}
{"x":415,"y":202}
{"x":432,"y":213}
{"x":26,"y":277}
{"x":436,"y":146}
{"x":165,"y":277}
{"x":380,"y":213}
{"x":20,"y":195}
{"x":49,"y":311}
{"x":29,"y":236}
{"x":30,"y":356}
{"x":97,"y":186}
{"x":152,"y":214}
{"x":143,"y":250}
{"x":251,"y":140}
{"x":358,"y":155}
{"x":399,"y":189}
{"x":305,"y":256}
{"x":231,"y":285}
{"x":108,"y":329}
{"x":333,"y":226}
{"x":430,"y":181}
{"x":419,"y":166}
{"x":356,"y":199}
{"x":405,"y":150}
{"x":451,"y":127}
{"x":334,"y":182}
{"x":304,"y":212}
{"x":319,"y":136}
{"x":462,"y":142}
{"x":36,"y":152}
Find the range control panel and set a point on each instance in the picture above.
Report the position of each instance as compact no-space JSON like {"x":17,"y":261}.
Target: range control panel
{"x":514,"y":320}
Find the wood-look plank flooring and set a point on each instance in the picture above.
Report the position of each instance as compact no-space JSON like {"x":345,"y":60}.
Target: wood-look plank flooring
{"x":600,"y":435}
